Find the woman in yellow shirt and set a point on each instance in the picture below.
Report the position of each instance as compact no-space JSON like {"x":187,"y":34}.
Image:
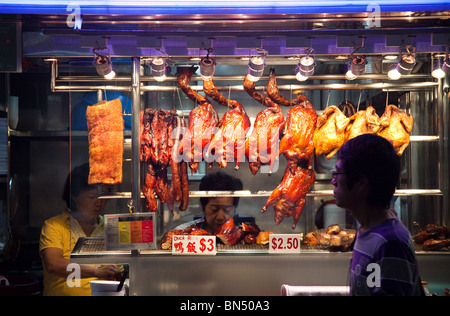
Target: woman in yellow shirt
{"x":60,"y":233}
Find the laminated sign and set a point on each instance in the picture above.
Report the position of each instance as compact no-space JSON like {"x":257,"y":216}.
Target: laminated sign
{"x":130,"y":231}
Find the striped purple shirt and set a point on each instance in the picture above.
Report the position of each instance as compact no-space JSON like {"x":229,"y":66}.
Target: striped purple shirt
{"x":384,"y":262}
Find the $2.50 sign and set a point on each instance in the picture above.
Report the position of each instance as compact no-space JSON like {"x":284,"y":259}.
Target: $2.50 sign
{"x":284,"y":243}
{"x":193,"y":245}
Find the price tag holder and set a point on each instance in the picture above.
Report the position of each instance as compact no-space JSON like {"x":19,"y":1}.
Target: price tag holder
{"x":193,"y":245}
{"x":284,"y":243}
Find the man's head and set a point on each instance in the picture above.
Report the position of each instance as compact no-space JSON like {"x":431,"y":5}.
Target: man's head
{"x":374,"y":158}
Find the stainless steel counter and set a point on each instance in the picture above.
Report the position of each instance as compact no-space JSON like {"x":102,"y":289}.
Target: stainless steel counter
{"x":251,"y":272}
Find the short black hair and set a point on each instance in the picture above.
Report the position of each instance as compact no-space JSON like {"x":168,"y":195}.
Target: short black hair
{"x":76,"y":182}
{"x":219,"y":181}
{"x":372,"y":156}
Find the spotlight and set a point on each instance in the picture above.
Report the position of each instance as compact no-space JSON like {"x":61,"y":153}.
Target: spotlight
{"x":207,"y":67}
{"x":158,"y":68}
{"x":103,"y":66}
{"x":393,"y":73}
{"x":256,"y":66}
{"x":305,"y":68}
{"x":349,"y":75}
{"x":406,"y":64}
{"x":446,"y":64}
{"x":438,"y":71}
{"x":358,"y":65}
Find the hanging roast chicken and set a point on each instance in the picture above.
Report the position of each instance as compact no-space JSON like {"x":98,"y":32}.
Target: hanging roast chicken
{"x":203,"y":120}
{"x":329,"y":135}
{"x":228,"y":143}
{"x":275,"y":95}
{"x":261,"y":147}
{"x":396,"y":126}
{"x":363,"y":122}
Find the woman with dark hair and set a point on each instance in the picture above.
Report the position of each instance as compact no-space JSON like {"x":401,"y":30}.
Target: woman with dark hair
{"x":81,"y":218}
{"x":383,"y":262}
{"x":218,"y":210}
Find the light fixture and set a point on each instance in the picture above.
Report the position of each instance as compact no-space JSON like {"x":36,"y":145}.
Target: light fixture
{"x":437,"y":71}
{"x":256,"y":65}
{"x":358,"y":65}
{"x":406,"y":64}
{"x":446,"y":64}
{"x":103,"y":65}
{"x":349,"y":75}
{"x":158,"y":68}
{"x":305,"y":67}
{"x":393,"y":73}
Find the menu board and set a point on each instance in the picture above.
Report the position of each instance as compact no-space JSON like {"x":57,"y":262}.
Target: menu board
{"x":130,"y":231}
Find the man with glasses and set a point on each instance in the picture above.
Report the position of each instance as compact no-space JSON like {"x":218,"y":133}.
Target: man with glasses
{"x":366,"y":175}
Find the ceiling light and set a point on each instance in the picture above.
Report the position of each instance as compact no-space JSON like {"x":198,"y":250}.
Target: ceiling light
{"x":158,"y":68}
{"x":437,"y":71}
{"x":103,"y":66}
{"x":349,"y":75}
{"x":446,"y":64}
{"x":256,"y":66}
{"x":207,"y":67}
{"x":406,"y":64}
{"x":358,"y":65}
{"x":393,"y":73}
{"x":305,"y":68}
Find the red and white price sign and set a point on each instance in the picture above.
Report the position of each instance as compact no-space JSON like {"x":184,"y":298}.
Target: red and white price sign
{"x":193,"y":245}
{"x":284,"y":243}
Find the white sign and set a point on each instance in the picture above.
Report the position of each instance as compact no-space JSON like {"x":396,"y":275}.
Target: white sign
{"x":193,"y":245}
{"x":284,"y":243}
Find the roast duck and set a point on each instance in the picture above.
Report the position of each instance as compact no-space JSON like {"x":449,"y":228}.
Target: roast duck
{"x":232,"y":232}
{"x":288,"y":198}
{"x":228,"y":143}
{"x":105,"y":129}
{"x":433,"y":237}
{"x":203,"y":120}
{"x":160,"y":139}
{"x":261,"y":147}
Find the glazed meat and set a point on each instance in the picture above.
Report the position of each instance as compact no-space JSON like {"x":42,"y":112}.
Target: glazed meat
{"x":105,"y":127}
{"x":297,"y":143}
{"x":288,"y":199}
{"x":261,"y":147}
{"x":203,"y":121}
{"x":228,"y":143}
{"x":329,"y":135}
{"x":347,"y":108}
{"x":229,"y":233}
{"x":275,"y":95}
{"x":363,"y":122}
{"x":396,"y":126}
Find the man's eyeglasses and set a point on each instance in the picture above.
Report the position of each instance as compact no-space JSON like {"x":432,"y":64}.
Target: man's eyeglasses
{"x":336,"y":173}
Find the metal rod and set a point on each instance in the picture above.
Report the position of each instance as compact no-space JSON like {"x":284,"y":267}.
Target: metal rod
{"x":247,"y":193}
{"x":333,"y":86}
{"x":135,"y":114}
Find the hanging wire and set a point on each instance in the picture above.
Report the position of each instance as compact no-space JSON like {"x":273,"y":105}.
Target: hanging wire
{"x":328,"y":98}
{"x":359,"y":100}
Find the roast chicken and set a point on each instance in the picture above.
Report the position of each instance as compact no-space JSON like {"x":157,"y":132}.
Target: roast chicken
{"x":395,"y":127}
{"x":347,"y":108}
{"x":329,"y":134}
{"x":228,"y":143}
{"x":203,"y":120}
{"x":363,"y":122}
{"x":261,"y":147}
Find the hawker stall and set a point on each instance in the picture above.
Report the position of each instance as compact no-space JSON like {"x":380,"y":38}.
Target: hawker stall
{"x":156,"y":98}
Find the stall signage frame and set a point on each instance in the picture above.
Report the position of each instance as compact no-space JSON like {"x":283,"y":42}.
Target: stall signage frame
{"x":131,"y":231}
{"x":194,"y":245}
{"x":284,"y":243}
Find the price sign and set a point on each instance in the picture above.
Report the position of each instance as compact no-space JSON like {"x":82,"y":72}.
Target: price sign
{"x":193,"y":245}
{"x":284,"y":243}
